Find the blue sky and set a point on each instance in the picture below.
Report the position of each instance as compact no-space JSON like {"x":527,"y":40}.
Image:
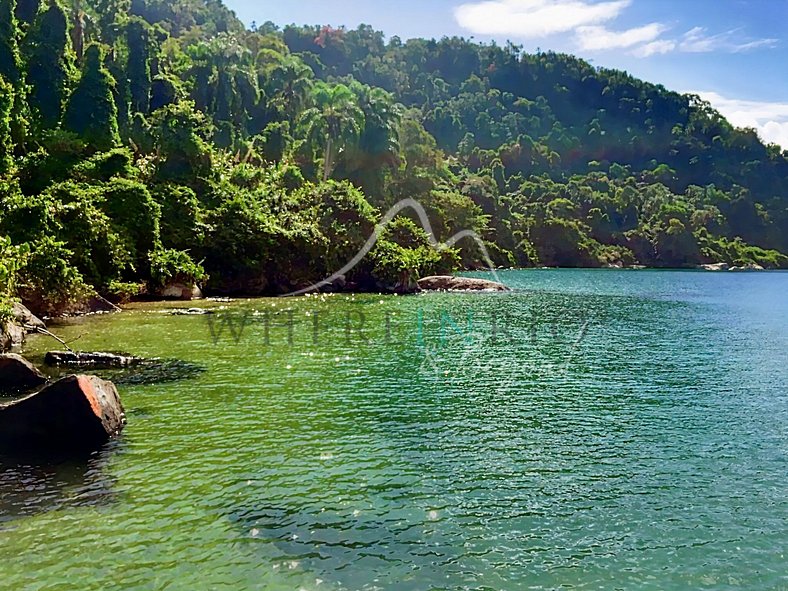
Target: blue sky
{"x":732,"y":52}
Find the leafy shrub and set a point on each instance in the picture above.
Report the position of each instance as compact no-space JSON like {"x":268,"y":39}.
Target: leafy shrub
{"x":134,"y":216}
{"x":404,"y":254}
{"x":168,"y":266}
{"x":181,"y":217}
{"x":12,"y":258}
{"x":48,"y":281}
{"x":121,"y":293}
{"x":104,"y":166}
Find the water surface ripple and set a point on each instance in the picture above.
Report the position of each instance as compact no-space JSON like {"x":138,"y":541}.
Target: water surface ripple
{"x":590,"y":430}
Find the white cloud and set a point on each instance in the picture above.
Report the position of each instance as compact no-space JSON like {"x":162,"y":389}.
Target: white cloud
{"x":770,"y":119}
{"x":774,"y":132}
{"x":596,"y":38}
{"x":585,"y":21}
{"x":654,"y":48}
{"x":533,"y":19}
{"x":697,"y":40}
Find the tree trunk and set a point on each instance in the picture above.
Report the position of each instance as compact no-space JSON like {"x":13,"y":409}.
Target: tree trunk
{"x":329,"y":157}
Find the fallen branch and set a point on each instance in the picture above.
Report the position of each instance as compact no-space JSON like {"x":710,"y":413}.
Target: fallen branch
{"x":108,"y":303}
{"x":45,"y":332}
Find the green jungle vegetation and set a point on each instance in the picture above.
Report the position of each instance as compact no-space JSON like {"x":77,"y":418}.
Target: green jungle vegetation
{"x":145,"y":142}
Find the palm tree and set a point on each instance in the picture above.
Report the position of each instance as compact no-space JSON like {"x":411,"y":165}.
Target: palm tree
{"x":335,"y":118}
{"x":289,"y":83}
{"x":383,"y":115}
{"x":378,"y":147}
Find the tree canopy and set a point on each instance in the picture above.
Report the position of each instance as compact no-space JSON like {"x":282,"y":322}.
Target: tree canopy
{"x":149,"y":141}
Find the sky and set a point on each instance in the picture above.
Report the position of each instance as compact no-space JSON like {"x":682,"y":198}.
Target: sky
{"x":733,"y":53}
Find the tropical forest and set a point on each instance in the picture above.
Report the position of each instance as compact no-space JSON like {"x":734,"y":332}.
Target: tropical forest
{"x":146,"y":142}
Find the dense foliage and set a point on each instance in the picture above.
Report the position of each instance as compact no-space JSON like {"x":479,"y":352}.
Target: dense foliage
{"x":157,"y":141}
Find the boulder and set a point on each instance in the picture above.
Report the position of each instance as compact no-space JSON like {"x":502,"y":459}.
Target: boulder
{"x":13,"y":332}
{"x":91,"y":360}
{"x":715,"y":267}
{"x":450,"y":283}
{"x":12,"y":336}
{"x":17,"y":374}
{"x":181,"y":291}
{"x":26,"y":318}
{"x":76,"y":412}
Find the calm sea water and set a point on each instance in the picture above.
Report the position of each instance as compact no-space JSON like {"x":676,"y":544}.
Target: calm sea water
{"x":590,"y":430}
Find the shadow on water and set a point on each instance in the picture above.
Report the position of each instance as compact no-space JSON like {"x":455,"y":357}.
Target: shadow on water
{"x":352,"y":547}
{"x":142,"y":372}
{"x":154,"y":371}
{"x":34,"y":483}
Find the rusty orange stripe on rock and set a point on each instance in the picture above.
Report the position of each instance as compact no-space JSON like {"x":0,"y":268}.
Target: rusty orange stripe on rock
{"x":86,"y":385}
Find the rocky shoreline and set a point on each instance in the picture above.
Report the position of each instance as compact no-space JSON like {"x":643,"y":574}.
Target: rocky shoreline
{"x":76,"y":412}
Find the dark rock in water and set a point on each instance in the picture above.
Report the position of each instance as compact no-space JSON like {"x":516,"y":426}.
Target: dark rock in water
{"x":126,"y":369}
{"x":91,"y":360}
{"x":76,"y":412}
{"x":450,"y":283}
{"x":17,"y":374}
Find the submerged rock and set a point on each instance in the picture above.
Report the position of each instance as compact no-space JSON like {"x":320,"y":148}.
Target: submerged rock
{"x":450,"y":283}
{"x":17,"y":374}
{"x":91,"y":360}
{"x":76,"y":412}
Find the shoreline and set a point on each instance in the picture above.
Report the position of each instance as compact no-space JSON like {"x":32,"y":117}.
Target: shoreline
{"x":214,"y":298}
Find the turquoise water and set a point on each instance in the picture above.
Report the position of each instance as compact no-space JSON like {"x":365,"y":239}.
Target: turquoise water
{"x":590,"y":430}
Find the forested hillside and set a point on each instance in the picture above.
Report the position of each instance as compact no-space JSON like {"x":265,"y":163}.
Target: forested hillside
{"x":149,"y":141}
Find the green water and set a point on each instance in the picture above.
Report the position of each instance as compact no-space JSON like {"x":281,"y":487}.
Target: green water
{"x":590,"y":430}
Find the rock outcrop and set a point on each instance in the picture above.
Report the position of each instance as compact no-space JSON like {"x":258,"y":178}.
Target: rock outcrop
{"x":180,"y":291}
{"x":76,"y":412}
{"x":715,"y":267}
{"x":17,"y":375}
{"x":13,"y":332}
{"x":450,"y":283}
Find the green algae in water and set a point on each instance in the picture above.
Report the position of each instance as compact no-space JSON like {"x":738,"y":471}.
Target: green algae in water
{"x":592,"y":430}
